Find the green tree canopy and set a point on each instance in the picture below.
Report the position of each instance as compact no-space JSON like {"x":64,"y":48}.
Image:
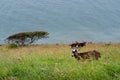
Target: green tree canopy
{"x":26,"y":38}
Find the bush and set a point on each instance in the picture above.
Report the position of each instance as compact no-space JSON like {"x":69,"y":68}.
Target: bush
{"x":107,"y":44}
{"x":12,"y":45}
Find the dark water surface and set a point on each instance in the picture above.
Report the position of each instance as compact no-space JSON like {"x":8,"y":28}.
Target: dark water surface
{"x":65,"y":20}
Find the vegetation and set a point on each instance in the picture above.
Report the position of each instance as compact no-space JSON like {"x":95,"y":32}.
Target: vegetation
{"x":54,"y":62}
{"x":12,"y":46}
{"x":26,"y":38}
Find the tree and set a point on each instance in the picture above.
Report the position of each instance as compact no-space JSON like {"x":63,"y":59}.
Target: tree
{"x":26,"y":38}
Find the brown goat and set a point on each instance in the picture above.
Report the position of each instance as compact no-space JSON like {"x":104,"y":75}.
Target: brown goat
{"x":88,"y":55}
{"x":77,"y":44}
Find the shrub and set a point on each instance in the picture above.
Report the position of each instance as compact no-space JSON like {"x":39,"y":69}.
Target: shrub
{"x":12,"y":45}
{"x":107,"y":44}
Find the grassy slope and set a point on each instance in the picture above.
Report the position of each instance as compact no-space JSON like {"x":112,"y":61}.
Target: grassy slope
{"x":54,"y":62}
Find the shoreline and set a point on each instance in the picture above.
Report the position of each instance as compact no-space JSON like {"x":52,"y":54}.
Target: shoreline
{"x":106,"y":43}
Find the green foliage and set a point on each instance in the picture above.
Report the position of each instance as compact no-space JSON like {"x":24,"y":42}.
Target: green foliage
{"x":56,"y":63}
{"x":26,"y":38}
{"x":12,"y":46}
{"x":107,"y":44}
{"x":113,"y":70}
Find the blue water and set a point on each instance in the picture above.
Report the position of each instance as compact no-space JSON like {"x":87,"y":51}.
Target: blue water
{"x":65,"y":20}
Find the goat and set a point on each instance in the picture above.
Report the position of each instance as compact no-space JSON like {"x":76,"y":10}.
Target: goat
{"x":88,"y":55}
{"x":77,"y":44}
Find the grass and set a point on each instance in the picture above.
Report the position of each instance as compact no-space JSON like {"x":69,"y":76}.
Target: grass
{"x":54,"y":62}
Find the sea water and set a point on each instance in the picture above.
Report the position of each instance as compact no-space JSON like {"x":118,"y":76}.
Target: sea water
{"x":65,"y":20}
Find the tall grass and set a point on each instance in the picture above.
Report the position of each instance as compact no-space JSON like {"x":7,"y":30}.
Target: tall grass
{"x":54,"y":62}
